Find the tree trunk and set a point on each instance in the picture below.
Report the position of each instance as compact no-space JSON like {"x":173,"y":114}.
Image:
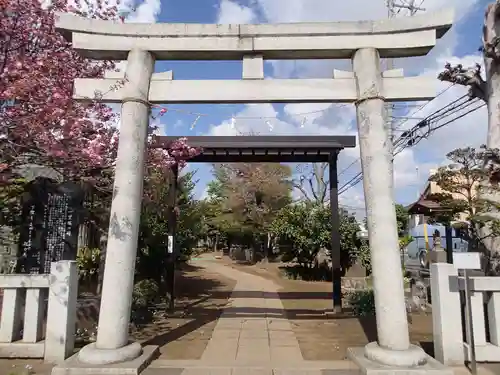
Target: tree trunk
{"x":254,"y":249}
{"x":84,"y":235}
{"x":229,"y":245}
{"x":267,"y":246}
{"x":103,"y":242}
{"x":491,"y":31}
{"x":216,"y":242}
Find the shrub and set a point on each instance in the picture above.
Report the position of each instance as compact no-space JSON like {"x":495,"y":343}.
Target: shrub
{"x":364,"y":257}
{"x":362,"y":302}
{"x":145,"y":293}
{"x":143,"y":298}
{"x":88,"y":261}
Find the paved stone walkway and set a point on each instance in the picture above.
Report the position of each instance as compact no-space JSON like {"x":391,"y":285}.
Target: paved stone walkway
{"x":252,"y":336}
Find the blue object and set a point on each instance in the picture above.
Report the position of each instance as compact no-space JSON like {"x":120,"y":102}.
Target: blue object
{"x":415,"y":252}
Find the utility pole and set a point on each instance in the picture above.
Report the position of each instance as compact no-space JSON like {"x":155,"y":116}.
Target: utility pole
{"x":394,"y":7}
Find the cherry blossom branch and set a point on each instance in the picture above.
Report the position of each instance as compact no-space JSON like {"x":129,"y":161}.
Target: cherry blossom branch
{"x":38,"y":70}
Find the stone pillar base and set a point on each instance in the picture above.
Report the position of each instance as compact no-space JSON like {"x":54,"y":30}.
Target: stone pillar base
{"x":101,"y":361}
{"x":437,"y":256}
{"x":92,"y":355}
{"x":412,"y":357}
{"x":410,"y":362}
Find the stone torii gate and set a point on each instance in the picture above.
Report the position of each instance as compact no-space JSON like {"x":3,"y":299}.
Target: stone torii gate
{"x":364,"y":42}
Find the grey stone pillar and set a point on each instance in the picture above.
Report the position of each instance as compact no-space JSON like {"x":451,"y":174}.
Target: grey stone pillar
{"x":112,"y":343}
{"x":393,"y":347}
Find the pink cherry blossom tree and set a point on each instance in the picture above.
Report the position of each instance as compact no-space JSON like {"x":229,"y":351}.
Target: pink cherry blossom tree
{"x":39,"y":120}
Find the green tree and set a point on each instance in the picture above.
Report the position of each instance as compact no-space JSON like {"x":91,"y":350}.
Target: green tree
{"x":219,"y":223}
{"x":351,"y":246}
{"x":10,"y":205}
{"x":248,"y":197}
{"x":154,"y":223}
{"x":303,"y":229}
{"x":466,"y":186}
{"x":256,"y":192}
{"x":402,"y":219}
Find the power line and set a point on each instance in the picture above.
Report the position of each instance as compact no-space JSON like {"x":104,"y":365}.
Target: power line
{"x":447,"y":110}
{"x":352,"y":208}
{"x":346,"y":168}
{"x":481,"y":105}
{"x":411,"y":137}
{"x":394,"y":7}
{"x":412,"y":141}
{"x":410,"y":117}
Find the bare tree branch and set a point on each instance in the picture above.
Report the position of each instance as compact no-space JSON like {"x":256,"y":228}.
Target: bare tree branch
{"x":316,"y":182}
{"x":470,"y":77}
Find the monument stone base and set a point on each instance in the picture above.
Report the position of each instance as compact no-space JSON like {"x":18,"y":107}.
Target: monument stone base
{"x":437,"y":256}
{"x":73,"y":366}
{"x":369,"y":367}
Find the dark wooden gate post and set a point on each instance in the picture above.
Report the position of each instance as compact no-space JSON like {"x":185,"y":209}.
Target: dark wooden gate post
{"x":171,"y":252}
{"x":335,"y":235}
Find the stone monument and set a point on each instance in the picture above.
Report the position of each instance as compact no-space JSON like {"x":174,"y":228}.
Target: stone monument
{"x":50,"y":221}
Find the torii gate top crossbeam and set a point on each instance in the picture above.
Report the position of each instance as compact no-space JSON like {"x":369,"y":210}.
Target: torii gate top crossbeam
{"x":253,"y":44}
{"x":399,"y":37}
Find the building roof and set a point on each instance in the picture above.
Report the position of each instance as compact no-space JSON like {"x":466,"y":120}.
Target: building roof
{"x":425,"y":206}
{"x":265,"y":148}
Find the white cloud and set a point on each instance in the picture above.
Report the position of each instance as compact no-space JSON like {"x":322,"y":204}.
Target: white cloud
{"x":232,"y":12}
{"x":145,"y":12}
{"x":431,"y":152}
{"x":285,"y":11}
{"x":354,"y":202}
{"x":178,"y":124}
{"x":277,"y":11}
{"x":250,"y":120}
{"x":470,"y":130}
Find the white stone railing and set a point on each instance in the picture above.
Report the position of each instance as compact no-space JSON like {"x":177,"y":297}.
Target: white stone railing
{"x":447,"y":316}
{"x":27,"y":301}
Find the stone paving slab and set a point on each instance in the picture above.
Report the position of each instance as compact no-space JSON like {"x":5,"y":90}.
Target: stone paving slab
{"x":306,"y":365}
{"x":176,"y":367}
{"x":252,"y":336}
{"x":246,"y":371}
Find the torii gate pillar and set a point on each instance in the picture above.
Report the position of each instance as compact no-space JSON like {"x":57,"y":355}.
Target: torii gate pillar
{"x":112,"y":343}
{"x":375,"y":148}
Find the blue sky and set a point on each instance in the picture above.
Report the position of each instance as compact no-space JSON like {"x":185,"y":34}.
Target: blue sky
{"x":461,"y":44}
